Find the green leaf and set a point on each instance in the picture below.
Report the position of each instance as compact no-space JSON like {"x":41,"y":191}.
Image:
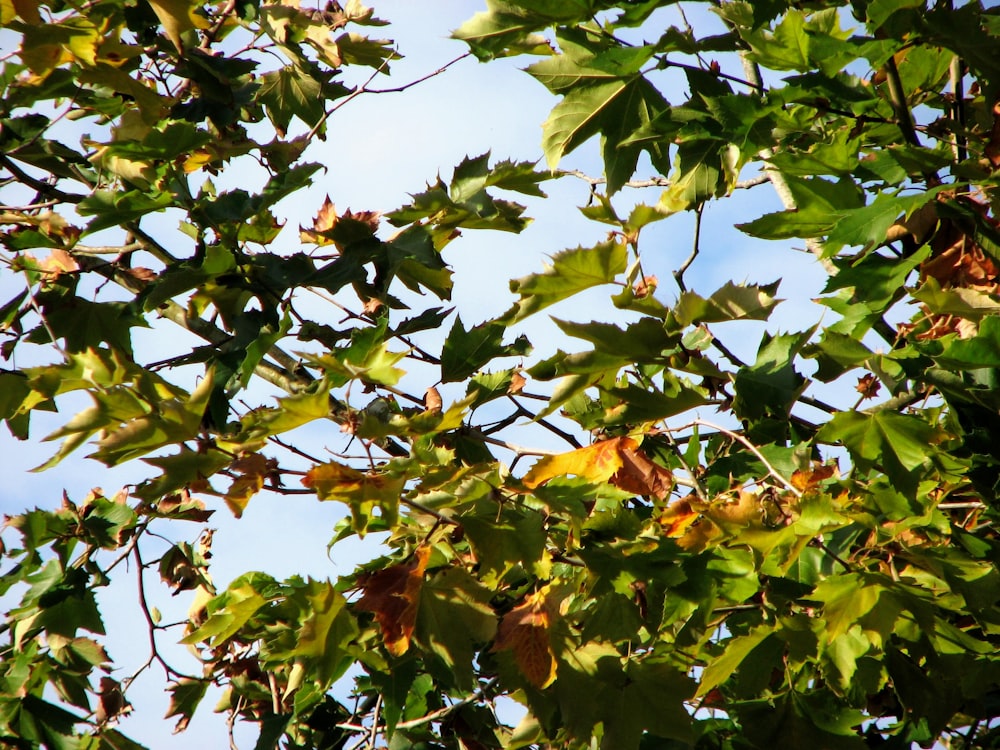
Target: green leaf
{"x":325,"y":634}
{"x":228,"y":612}
{"x":571,"y":271}
{"x":735,"y":650}
{"x":504,"y":29}
{"x":982,"y":350}
{"x":900,"y":443}
{"x":453,"y":619}
{"x":502,"y":543}
{"x":771,"y":385}
{"x":731,"y":302}
{"x":291,"y":92}
{"x":111,"y":208}
{"x":465,"y":352}
{"x":185,"y":695}
{"x":580,"y":116}
{"x":867,"y":226}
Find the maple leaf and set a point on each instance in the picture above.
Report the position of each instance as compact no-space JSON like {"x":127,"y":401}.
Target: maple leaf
{"x":525,"y":631}
{"x":393,"y":594}
{"x":252,"y":469}
{"x":868,"y":386}
{"x":58,"y":263}
{"x":616,"y":460}
{"x":325,"y":220}
{"x":639,"y":475}
{"x":677,"y":518}
{"x":597,"y":462}
{"x":809,"y":479}
{"x":517,"y":382}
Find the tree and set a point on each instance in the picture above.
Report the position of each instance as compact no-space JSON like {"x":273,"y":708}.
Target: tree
{"x":815,"y":562}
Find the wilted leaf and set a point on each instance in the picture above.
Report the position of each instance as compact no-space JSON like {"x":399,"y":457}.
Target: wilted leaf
{"x":393,"y":594}
{"x":362,"y":491}
{"x":525,"y":631}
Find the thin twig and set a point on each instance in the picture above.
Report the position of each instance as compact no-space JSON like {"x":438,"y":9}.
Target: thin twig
{"x":897,"y":97}
{"x":753,"y":449}
{"x":695,"y":249}
{"x":373,"y":734}
{"x":420,"y":80}
{"x":443,"y":712}
{"x":958,"y":108}
{"x":656,"y":181}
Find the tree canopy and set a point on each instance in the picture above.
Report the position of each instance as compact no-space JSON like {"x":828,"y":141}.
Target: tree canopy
{"x":645,"y":541}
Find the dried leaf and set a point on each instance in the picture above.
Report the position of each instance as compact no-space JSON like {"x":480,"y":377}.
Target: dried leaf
{"x":640,"y":475}
{"x":432,"y":400}
{"x":111,"y":702}
{"x":58,"y":263}
{"x":868,"y":386}
{"x":517,"y":382}
{"x":253,"y":469}
{"x":525,"y":631}
{"x":325,"y":220}
{"x":645,"y":286}
{"x":393,"y":594}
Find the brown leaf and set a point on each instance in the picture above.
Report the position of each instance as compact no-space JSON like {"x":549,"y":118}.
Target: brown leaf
{"x":183,"y":507}
{"x":370,"y":218}
{"x":253,"y":469}
{"x":372,"y":305}
{"x":111,"y":701}
{"x":868,"y":386}
{"x":58,"y":263}
{"x":525,"y":631}
{"x":617,"y":460}
{"x":744,"y":510}
{"x":640,"y":475}
{"x":325,"y":220}
{"x":645,"y":286}
{"x":432,"y":400}
{"x":393,"y":594}
{"x":141,"y":273}
{"x":517,"y":382}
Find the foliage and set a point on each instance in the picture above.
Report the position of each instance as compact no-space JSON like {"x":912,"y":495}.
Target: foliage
{"x":815,"y":565}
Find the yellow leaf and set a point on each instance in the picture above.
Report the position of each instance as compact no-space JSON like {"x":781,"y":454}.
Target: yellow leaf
{"x":253,"y":469}
{"x":178,"y":16}
{"x":597,"y":463}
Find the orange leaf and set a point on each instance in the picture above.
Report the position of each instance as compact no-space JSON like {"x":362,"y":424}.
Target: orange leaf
{"x":617,"y":460}
{"x":393,"y":594}
{"x":325,"y":220}
{"x":525,"y":631}
{"x":253,"y":469}
{"x":597,"y":462}
{"x":808,"y":480}
{"x":677,"y":518}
